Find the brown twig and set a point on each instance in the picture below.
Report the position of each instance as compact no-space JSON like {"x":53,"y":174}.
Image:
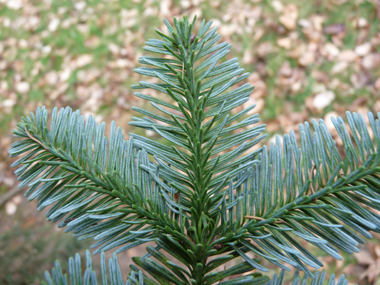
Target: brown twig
{"x":312,"y":171}
{"x":9,"y":194}
{"x":183,"y":69}
{"x":261,"y":219}
{"x":36,"y":140}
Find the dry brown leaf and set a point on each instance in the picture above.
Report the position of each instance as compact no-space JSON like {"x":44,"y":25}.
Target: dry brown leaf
{"x":307,"y":58}
{"x":286,"y":43}
{"x":377,"y":83}
{"x":371,"y":61}
{"x":334,"y":29}
{"x":330,"y":51}
{"x":339,"y":67}
{"x":363,"y":49}
{"x":323,"y":99}
{"x":347,"y":55}
{"x":289,"y":16}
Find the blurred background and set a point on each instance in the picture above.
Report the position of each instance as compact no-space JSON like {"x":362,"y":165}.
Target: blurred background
{"x":308,"y":59}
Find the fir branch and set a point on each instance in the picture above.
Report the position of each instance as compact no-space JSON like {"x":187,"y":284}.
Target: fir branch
{"x":199,"y":163}
{"x":92,"y":191}
{"x":200,"y":197}
{"x":278,"y":189}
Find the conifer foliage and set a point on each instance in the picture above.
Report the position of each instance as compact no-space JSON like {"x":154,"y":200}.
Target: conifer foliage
{"x":204,"y":197}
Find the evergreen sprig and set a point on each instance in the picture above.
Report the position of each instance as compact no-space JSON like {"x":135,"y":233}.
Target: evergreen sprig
{"x":204,"y":197}
{"x":114,"y":275}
